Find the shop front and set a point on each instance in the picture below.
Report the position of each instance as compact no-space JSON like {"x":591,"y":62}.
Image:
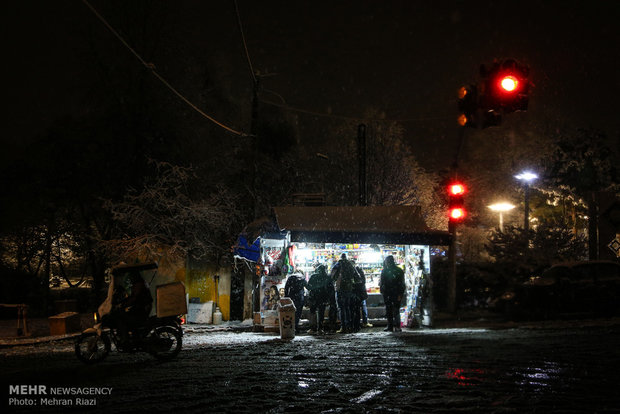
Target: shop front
{"x":308,"y":236}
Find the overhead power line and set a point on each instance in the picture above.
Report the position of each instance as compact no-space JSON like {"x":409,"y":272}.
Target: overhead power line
{"x":151,"y":67}
{"x":285,"y":106}
{"x":350,"y":118}
{"x":245,"y":45}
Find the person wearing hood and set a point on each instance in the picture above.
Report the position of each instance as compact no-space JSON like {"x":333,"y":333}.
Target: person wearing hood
{"x":392,"y":287}
{"x":295,"y":289}
{"x":320,"y":287}
{"x":359,"y":309}
{"x":343,"y":275}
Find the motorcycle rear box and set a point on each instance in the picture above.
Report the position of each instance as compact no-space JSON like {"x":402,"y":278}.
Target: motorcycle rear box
{"x":171,"y":300}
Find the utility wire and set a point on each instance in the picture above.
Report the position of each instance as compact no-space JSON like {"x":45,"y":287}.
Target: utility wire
{"x":151,"y":67}
{"x":350,"y":118}
{"x":305,"y":111}
{"x":245,"y":45}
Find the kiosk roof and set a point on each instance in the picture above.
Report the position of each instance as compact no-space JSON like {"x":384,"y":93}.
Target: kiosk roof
{"x":372,"y":224}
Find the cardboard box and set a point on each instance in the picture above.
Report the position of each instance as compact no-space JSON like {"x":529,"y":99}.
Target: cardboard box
{"x":271,"y":321}
{"x":64,"y":323}
{"x":257,"y":320}
{"x":200,"y":312}
{"x":171,"y":300}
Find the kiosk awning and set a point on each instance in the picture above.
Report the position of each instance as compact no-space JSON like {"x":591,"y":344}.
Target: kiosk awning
{"x":374,"y":224}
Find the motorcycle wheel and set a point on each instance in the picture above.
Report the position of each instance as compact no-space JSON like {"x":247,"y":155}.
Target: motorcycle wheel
{"x":91,"y":348}
{"x":164,"y":343}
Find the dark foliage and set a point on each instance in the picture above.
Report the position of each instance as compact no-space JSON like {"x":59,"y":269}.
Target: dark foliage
{"x":477,"y":284}
{"x":530,"y":252}
{"x":21,"y":287}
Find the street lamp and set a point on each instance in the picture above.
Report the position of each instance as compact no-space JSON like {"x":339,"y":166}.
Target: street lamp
{"x":527,"y":177}
{"x":500,"y":208}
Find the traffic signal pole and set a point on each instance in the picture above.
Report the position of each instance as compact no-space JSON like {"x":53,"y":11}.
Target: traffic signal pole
{"x":452,"y":227}
{"x":361,"y":154}
{"x":452,"y":269}
{"x":503,"y":89}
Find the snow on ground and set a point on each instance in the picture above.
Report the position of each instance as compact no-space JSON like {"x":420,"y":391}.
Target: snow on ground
{"x":564,"y":368}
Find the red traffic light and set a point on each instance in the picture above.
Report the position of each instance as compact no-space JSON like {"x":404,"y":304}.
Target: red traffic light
{"x":456,"y":208}
{"x":506,"y":87}
{"x":509,"y":83}
{"x":457,"y":214}
{"x":456,"y":189}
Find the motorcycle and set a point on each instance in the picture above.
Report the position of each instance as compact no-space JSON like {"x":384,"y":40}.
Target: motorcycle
{"x":159,"y":336}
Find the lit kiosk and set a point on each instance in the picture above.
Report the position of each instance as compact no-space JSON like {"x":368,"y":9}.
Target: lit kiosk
{"x":301,"y":237}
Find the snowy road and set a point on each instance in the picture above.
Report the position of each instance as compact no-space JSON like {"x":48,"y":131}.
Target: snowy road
{"x":555,"y":369}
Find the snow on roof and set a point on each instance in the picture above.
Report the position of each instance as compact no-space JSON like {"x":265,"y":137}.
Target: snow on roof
{"x":379,"y":224}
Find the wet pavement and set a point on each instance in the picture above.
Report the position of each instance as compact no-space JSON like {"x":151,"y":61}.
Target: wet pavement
{"x":561,"y":366}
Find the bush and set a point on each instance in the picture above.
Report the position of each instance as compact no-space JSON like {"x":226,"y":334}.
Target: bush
{"x":476,"y":283}
{"x":527,"y":253}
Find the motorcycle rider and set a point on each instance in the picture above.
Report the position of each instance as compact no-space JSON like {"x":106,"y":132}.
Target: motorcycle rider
{"x":133,"y":311}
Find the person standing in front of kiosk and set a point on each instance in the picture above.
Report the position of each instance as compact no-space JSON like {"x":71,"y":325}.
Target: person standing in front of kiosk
{"x":295,"y":289}
{"x":392,"y":287}
{"x":320,"y":287}
{"x":358,"y":303}
{"x":343,"y":274}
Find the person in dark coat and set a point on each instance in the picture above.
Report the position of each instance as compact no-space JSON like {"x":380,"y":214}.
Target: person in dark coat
{"x":343,"y":275}
{"x":320,"y":287}
{"x":295,"y":289}
{"x":359,"y":297}
{"x":332,"y":314}
{"x":392,"y":287}
{"x":133,"y":311}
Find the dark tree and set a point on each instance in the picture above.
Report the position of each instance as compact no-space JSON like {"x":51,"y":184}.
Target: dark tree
{"x":582,"y":165}
{"x":170,"y":218}
{"x":529,"y":252}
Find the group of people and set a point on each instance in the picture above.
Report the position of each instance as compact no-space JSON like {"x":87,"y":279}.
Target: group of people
{"x":343,"y":289}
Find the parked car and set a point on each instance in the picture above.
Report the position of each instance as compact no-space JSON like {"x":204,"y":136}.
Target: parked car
{"x":572,"y":287}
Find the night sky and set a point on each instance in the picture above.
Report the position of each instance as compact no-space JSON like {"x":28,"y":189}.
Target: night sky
{"x":405,"y":58}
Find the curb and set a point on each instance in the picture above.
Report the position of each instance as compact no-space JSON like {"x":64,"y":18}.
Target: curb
{"x":13,"y":342}
{"x":441,"y":324}
{"x":188,"y":329}
{"x":9,"y":343}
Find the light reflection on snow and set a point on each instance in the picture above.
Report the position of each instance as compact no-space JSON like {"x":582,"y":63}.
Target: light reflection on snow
{"x":449,"y":331}
{"x":192,"y":340}
{"x":539,"y":377}
{"x":367,"y":396}
{"x":235,"y":338}
{"x":466,"y":377}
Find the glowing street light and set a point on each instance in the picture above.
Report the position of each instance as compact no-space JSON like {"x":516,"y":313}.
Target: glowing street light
{"x":501,"y":208}
{"x":527,"y":177}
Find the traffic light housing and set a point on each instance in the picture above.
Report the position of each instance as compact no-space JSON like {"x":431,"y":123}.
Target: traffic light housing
{"x":456,"y":207}
{"x":468,"y":106}
{"x":506,"y":86}
{"x":491,"y":118}
{"x":471,"y":113}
